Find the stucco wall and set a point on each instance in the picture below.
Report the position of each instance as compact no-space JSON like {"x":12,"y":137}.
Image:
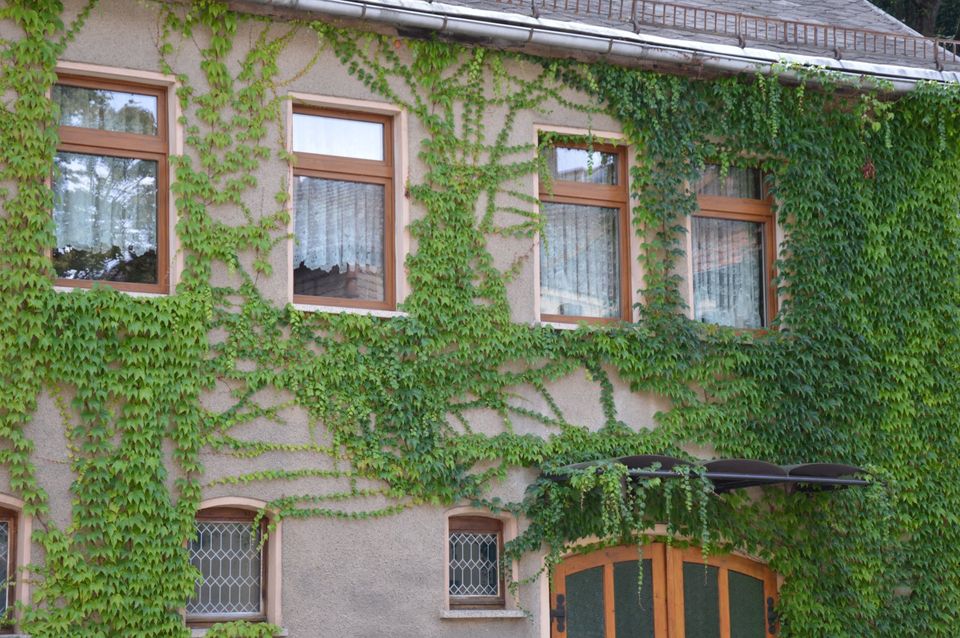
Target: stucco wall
{"x":346,"y":578}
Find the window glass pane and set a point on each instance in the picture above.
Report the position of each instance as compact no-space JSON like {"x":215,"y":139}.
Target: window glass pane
{"x":738,"y":182}
{"x":105,"y":211}
{"x":474,"y":570}
{"x":337,"y":136}
{"x":701,"y":601}
{"x":728,"y":272}
{"x":585,"y":604}
{"x":339,"y":230}
{"x":118,"y":111}
{"x":747,"y":618}
{"x":4,"y":564}
{"x":634,"y":614}
{"x":580,"y":261}
{"x":229,"y":560}
{"x":582,"y":165}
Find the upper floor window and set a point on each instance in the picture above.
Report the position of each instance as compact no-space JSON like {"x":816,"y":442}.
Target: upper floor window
{"x":343,"y":209}
{"x":228,"y":551}
{"x":733,"y":247}
{"x":475,"y":547}
{"x":110,"y":185}
{"x":585,"y":244}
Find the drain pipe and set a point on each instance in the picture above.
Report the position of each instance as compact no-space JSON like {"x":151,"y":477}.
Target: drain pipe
{"x":569,"y":37}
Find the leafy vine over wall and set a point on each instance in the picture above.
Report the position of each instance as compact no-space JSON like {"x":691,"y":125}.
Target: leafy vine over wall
{"x":862,"y":369}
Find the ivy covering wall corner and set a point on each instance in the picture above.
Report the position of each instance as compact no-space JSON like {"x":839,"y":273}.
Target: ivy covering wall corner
{"x":863,"y":368}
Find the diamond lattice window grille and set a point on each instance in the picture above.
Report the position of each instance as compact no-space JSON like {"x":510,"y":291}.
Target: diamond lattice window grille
{"x":229,"y":559}
{"x":474,"y":564}
{"x":4,"y":564}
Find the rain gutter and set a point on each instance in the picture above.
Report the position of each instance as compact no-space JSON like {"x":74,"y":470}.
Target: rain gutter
{"x":512,"y":29}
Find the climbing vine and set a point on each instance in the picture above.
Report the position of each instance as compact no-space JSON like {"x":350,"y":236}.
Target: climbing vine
{"x":862,"y":366}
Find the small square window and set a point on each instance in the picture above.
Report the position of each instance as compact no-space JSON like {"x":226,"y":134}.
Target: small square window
{"x":733,"y":245}
{"x":584,"y":245}
{"x":475,"y":547}
{"x":110,"y":185}
{"x":343,"y":197}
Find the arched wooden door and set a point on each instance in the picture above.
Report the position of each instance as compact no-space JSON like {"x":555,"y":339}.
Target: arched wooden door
{"x":596,"y":595}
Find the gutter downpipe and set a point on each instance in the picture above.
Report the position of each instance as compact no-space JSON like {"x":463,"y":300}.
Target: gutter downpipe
{"x":565,"y":36}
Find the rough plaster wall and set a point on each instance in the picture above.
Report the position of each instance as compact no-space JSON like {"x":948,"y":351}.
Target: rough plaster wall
{"x":344,"y":578}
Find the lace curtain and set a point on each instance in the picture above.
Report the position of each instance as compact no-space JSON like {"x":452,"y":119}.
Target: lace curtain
{"x":338,"y":224}
{"x":102,"y":203}
{"x":728,"y":272}
{"x":580,"y":261}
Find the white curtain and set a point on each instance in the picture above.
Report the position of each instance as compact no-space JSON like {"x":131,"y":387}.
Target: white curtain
{"x":102,"y":202}
{"x":580,"y":261}
{"x":728,"y":277}
{"x":338,"y":224}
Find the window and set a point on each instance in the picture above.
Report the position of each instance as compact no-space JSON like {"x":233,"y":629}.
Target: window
{"x":110,"y":185}
{"x":8,"y":565}
{"x":343,"y":209}
{"x":596,"y":595}
{"x":733,"y":247}
{"x":475,"y":547}
{"x":584,"y":247}
{"x":227,"y":550}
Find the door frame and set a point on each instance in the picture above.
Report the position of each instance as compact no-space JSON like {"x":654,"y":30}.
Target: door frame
{"x":668,"y":603}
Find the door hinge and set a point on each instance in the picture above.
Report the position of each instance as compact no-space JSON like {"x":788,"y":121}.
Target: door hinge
{"x":772,"y":617}
{"x":560,"y":613}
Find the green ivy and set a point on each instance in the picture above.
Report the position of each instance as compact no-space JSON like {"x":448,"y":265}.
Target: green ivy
{"x":861,"y":367}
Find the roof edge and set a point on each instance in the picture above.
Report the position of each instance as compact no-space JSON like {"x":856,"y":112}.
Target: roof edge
{"x":520,"y":30}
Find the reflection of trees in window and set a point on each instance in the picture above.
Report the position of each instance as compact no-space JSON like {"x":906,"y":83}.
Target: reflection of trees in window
{"x":117,"y":111}
{"x":109,"y":184}
{"x":105,"y":211}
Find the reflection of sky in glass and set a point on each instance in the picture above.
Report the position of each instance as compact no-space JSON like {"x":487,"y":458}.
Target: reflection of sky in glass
{"x":119,"y":111}
{"x":581,"y":165}
{"x":336,"y":136}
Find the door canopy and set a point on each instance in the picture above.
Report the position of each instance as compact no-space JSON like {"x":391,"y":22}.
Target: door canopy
{"x":732,"y":474}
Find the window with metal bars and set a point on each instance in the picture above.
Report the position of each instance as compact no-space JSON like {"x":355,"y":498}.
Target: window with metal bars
{"x":475,"y":547}
{"x":227,"y":550}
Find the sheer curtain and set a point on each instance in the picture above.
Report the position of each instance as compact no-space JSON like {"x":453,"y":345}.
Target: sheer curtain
{"x":580,"y":261}
{"x":728,"y":272}
{"x":105,"y":214}
{"x":338,"y":224}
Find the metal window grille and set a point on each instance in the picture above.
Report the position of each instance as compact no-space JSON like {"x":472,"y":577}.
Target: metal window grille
{"x":474,"y":564}
{"x":230,"y":563}
{"x":4,"y":564}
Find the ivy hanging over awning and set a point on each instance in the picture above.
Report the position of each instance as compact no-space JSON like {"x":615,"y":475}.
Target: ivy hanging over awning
{"x":731,"y":474}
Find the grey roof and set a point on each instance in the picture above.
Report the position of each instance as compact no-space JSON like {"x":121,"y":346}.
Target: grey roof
{"x":859,"y":15}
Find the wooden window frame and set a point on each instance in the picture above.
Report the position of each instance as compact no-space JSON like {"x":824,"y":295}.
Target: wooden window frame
{"x":101,"y":142}
{"x":667,"y":564}
{"x":347,"y":169}
{"x":479,"y":525}
{"x":599,"y":195}
{"x":12,"y":517}
{"x":227,"y":514}
{"x":759,"y":211}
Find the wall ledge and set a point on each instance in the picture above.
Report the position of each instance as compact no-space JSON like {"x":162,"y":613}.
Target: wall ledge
{"x":466,"y":614}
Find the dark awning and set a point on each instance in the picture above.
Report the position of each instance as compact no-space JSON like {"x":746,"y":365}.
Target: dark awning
{"x":732,"y":474}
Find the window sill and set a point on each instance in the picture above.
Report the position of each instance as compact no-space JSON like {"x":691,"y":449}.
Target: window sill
{"x":199,"y":632}
{"x":562,"y":325}
{"x":385,"y":314}
{"x":132,"y":293}
{"x":467,"y":614}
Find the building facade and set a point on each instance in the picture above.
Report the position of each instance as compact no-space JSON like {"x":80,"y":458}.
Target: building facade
{"x":321,"y":301}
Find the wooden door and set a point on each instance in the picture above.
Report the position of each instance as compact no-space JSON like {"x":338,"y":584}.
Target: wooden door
{"x":682,"y":596}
